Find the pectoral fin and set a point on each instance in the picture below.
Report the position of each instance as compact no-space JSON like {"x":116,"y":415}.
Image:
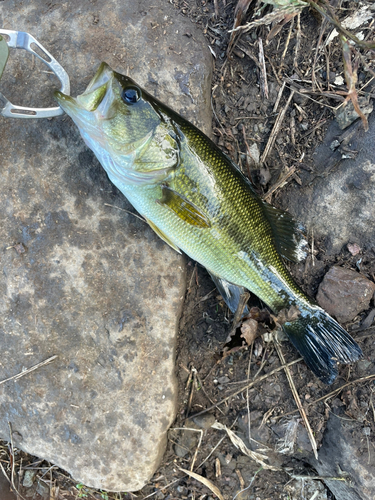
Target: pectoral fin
{"x":163,"y":236}
{"x":183,"y":208}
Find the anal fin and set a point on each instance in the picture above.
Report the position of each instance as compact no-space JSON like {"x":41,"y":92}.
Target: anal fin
{"x":231,"y":293}
{"x":162,"y":235}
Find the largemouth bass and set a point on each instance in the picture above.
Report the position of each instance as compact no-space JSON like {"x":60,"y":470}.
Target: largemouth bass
{"x":196,"y":199}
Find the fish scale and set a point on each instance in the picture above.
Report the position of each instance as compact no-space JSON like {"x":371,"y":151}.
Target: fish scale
{"x":199,"y":202}
{"x":242,"y":228}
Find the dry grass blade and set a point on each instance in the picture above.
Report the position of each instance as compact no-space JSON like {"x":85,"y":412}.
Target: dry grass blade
{"x":215,"y":490}
{"x":298,"y":41}
{"x":283,"y":12}
{"x":276,"y":129}
{"x":238,"y":443}
{"x":330,"y":16}
{"x":239,"y":14}
{"x":279,"y":183}
{"x":29,"y":370}
{"x":263,"y":70}
{"x":278,"y":27}
{"x":298,"y":402}
{"x":331,"y":394}
{"x":351,"y":78}
{"x":199,"y":444}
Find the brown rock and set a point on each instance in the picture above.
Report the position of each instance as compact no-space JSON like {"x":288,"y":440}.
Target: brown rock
{"x":344,"y":293}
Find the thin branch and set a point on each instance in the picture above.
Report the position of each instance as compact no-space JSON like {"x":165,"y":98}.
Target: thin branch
{"x":276,"y":129}
{"x":247,"y":386}
{"x":331,"y":394}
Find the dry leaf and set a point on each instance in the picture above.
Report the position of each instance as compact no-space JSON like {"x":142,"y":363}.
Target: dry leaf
{"x":204,"y":481}
{"x":286,"y":315}
{"x":238,"y":443}
{"x":249,"y":330}
{"x":353,"y":248}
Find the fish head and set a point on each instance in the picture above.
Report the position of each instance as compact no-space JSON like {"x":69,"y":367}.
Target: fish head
{"x":113,"y":112}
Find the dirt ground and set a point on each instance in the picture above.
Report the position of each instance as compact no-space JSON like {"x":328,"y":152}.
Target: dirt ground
{"x":210,"y":369}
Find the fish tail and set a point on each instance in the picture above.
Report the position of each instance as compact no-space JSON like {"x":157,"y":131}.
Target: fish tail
{"x":322,"y":342}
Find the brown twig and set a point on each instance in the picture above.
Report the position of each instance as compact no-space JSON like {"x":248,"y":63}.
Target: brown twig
{"x":247,"y":392}
{"x":249,"y":54}
{"x":204,"y":390}
{"x":274,"y":70}
{"x":298,"y":41}
{"x":279,"y":97}
{"x":263,"y":70}
{"x":216,"y":8}
{"x":298,"y":401}
{"x":267,"y":196}
{"x":331,"y":394}
{"x":317,"y":49}
{"x":276,"y":129}
{"x":286,"y":46}
{"x":206,"y":297}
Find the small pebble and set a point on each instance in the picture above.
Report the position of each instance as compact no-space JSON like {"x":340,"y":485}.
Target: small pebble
{"x":204,"y":421}
{"x":344,"y":293}
{"x":28,"y":479}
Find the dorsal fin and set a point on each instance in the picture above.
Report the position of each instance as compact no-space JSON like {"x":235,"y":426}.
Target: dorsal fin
{"x":288,"y":233}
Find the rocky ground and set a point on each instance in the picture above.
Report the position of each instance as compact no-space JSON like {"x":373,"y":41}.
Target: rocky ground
{"x":227,"y":386}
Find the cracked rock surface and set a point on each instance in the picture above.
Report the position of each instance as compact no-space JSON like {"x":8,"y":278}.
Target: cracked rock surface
{"x":336,"y":199}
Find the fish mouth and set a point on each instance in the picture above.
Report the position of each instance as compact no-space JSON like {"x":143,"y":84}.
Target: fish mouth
{"x":97,"y":93}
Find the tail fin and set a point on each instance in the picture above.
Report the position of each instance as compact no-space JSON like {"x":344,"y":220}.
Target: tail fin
{"x":322,"y":342}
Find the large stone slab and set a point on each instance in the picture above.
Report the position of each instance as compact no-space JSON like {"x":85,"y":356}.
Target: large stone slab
{"x":80,"y":279}
{"x":345,"y":453}
{"x":337,"y":198}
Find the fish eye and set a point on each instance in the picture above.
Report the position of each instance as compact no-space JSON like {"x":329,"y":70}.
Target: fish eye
{"x":130,"y":95}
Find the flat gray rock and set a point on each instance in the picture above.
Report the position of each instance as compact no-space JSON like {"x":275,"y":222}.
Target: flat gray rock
{"x":344,"y":453}
{"x":80,"y":279}
{"x":337,"y":199}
